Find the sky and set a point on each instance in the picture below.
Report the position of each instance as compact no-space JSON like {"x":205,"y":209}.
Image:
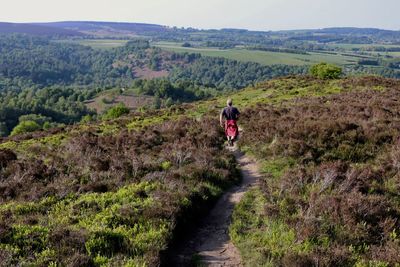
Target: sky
{"x":213,"y":14}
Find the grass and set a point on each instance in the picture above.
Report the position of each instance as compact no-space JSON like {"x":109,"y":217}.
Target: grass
{"x":351,"y":46}
{"x":260,"y":239}
{"x":348,"y":48}
{"x":271,"y":92}
{"x":262,"y":57}
{"x":395,"y":54}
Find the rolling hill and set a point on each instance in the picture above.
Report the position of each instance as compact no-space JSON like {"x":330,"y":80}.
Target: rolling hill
{"x":32,"y":29}
{"x":108,"y":28}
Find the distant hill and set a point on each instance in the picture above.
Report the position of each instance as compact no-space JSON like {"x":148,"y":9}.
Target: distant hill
{"x":82,"y":28}
{"x":103,"y":29}
{"x":350,"y":35}
{"x":353,"y":30}
{"x":108,"y":28}
{"x":25,"y":28}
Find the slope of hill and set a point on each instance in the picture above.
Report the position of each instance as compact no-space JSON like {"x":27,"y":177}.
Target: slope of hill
{"x":99,"y":28}
{"x":117,"y":191}
{"x":330,"y":191}
{"x":25,"y":28}
{"x":108,"y":194}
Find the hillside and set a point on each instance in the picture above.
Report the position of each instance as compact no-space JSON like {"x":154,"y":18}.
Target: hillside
{"x":114,"y":192}
{"x":41,"y":30}
{"x":329,"y":195}
{"x":56,"y":78}
{"x":118,"y":191}
{"x":84,"y":29}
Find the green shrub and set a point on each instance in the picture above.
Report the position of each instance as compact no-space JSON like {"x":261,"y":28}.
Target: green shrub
{"x":25,"y":127}
{"x":86,"y":119}
{"x":166,"y":165}
{"x":3,"y":129}
{"x":326,"y":71}
{"x":29,"y":238}
{"x":116,"y":111}
{"x":105,"y":243}
{"x":48,"y":125}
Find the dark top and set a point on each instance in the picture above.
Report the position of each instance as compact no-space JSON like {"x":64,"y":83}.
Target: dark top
{"x":230,"y":113}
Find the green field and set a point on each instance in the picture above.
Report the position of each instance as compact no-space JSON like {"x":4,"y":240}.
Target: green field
{"x":394,"y":54}
{"x":351,"y":46}
{"x":261,"y":57}
{"x":379,"y":53}
{"x":98,"y":43}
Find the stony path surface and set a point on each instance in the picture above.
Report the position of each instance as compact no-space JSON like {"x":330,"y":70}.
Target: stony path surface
{"x":211,"y":242}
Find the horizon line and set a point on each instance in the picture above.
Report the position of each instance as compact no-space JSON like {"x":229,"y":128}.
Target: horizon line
{"x":202,"y":29}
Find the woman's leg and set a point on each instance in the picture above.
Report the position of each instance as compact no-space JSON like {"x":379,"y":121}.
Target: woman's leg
{"x":229,"y":140}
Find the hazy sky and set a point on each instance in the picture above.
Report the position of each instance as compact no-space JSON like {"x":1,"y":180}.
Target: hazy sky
{"x":249,"y":14}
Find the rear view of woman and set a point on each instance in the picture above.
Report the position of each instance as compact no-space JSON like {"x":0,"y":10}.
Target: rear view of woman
{"x":231,"y":115}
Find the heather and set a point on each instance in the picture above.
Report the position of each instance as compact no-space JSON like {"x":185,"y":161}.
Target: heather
{"x":330,"y":190}
{"x":107,"y":198}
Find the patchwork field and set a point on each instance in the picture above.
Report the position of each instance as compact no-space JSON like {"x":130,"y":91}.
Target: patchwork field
{"x":262,"y":57}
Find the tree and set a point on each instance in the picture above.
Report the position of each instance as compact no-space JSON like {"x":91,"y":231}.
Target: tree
{"x":3,"y":129}
{"x":86,"y":119}
{"x":25,"y":127}
{"x":169,"y":102}
{"x":39,"y":119}
{"x":47,"y":125}
{"x":157,"y":102}
{"x":326,"y":71}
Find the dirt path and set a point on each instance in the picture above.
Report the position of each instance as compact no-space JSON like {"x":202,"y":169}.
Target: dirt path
{"x":211,"y":243}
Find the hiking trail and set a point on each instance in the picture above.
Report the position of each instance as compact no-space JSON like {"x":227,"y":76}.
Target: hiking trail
{"x":210,"y":245}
